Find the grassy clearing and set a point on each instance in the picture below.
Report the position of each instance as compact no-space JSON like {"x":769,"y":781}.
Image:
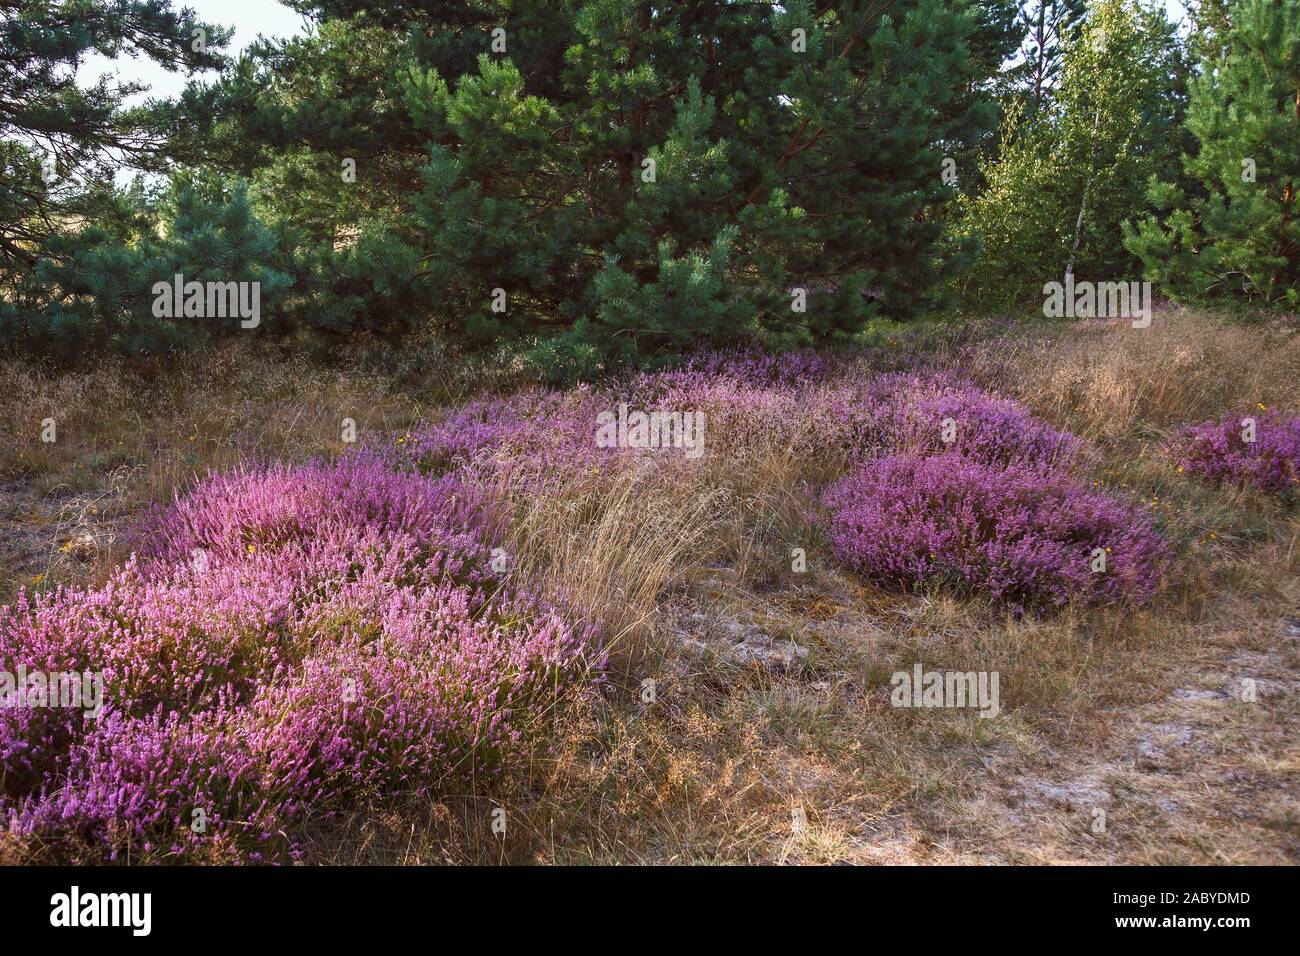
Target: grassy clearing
{"x":1135,"y":714}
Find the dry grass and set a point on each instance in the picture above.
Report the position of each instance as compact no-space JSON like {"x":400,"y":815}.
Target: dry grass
{"x":1111,"y":382}
{"x":127,"y":435}
{"x":601,"y":543}
{"x":1136,"y":715}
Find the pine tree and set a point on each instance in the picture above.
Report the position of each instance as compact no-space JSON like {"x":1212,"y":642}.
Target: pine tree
{"x":57,"y":134}
{"x":613,"y":181}
{"x":96,"y":291}
{"x":1236,"y":230}
{"x":1211,"y":21}
{"x":1047,"y":25}
{"x":61,"y":142}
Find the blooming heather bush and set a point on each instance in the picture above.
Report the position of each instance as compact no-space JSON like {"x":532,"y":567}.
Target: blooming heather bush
{"x":753,"y":407}
{"x":256,"y":509}
{"x":533,"y":435}
{"x":907,"y":412}
{"x":742,"y":419}
{"x":289,"y":642}
{"x":539,"y":434}
{"x":1024,"y":537}
{"x":534,"y":439}
{"x":788,"y":372}
{"x":1217,"y":451}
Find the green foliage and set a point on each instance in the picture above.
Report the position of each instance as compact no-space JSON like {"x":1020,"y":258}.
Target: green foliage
{"x":1048,"y":26}
{"x":1233,"y":229}
{"x":65,"y":286}
{"x":1073,"y":172}
{"x":92,"y":291}
{"x":1210,"y":23}
{"x":528,"y":170}
{"x":57,"y":135}
{"x":625,"y":182}
{"x":370,"y":286}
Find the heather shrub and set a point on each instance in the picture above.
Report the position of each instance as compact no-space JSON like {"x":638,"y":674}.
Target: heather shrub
{"x":177,"y":643}
{"x":265,"y":508}
{"x":1024,"y":537}
{"x":743,"y":419}
{"x":786,"y":371}
{"x":535,"y":439}
{"x":290,"y":641}
{"x":132,"y":785}
{"x":1217,"y":451}
{"x":532,"y":434}
{"x":753,"y":407}
{"x":909,"y":412}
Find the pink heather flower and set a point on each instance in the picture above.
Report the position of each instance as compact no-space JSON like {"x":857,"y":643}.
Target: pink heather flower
{"x":1217,"y":451}
{"x":1025,"y":538}
{"x":907,"y":412}
{"x":289,"y":642}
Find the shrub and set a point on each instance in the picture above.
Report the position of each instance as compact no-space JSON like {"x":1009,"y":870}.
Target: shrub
{"x":259,"y":508}
{"x":539,"y":432}
{"x":907,"y":412}
{"x":290,"y":642}
{"x":1217,"y":451}
{"x":1024,"y":537}
{"x":752,"y":405}
{"x":95,"y":289}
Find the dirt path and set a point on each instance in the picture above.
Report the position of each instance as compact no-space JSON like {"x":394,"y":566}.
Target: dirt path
{"x":1208,"y":773}
{"x":1186,"y":768}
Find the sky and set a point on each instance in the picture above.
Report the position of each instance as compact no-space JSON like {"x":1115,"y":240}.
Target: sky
{"x":249,"y":18}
